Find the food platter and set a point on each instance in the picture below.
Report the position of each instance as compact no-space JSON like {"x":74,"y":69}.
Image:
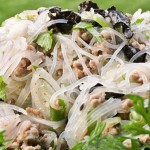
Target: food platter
{"x":75,"y":80}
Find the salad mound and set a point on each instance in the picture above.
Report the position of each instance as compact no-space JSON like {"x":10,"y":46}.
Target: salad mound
{"x":75,"y":80}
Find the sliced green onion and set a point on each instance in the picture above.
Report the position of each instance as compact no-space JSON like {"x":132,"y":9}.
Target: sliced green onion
{"x":2,"y":88}
{"x":58,"y":114}
{"x":137,"y":118}
{"x":83,"y":25}
{"x":138,"y":21}
{"x":95,"y":33}
{"x":100,"y":21}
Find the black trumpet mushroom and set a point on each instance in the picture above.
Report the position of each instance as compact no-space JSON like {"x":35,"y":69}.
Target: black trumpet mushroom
{"x":94,"y":87}
{"x":113,"y":95}
{"x":130,"y":51}
{"x":120,"y":20}
{"x":107,"y":94}
{"x":54,"y":9}
{"x":87,"y":5}
{"x":71,"y":17}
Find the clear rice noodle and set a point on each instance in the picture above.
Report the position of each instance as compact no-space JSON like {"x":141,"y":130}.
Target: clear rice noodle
{"x":38,"y":80}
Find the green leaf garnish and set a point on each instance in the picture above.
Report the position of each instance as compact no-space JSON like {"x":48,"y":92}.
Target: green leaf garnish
{"x":147,"y":36}
{"x":97,"y":131}
{"x":58,"y":114}
{"x":2,"y":140}
{"x":97,"y":142}
{"x":140,"y":20}
{"x":2,"y":89}
{"x":35,"y":67}
{"x":100,"y":21}
{"x":135,"y":127}
{"x":30,"y":17}
{"x":89,"y":27}
{"x":138,"y":105}
{"x":17,"y":16}
{"x":108,"y":142}
{"x":95,"y":33}
{"x":83,"y":25}
{"x":45,"y":40}
{"x":84,"y":145}
{"x":137,"y":118}
{"x":123,"y":76}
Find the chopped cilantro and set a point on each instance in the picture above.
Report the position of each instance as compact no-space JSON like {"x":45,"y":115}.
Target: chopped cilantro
{"x":45,"y":40}
{"x":140,"y":20}
{"x":2,"y":89}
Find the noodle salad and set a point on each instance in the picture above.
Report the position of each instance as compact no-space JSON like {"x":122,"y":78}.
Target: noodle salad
{"x":75,"y":80}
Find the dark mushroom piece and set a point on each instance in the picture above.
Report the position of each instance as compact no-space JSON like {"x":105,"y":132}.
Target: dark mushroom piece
{"x":94,"y":23}
{"x":121,"y":20}
{"x":86,"y":6}
{"x":54,"y":9}
{"x":81,"y":107}
{"x":130,"y":51}
{"x":101,"y":12}
{"x":70,"y":16}
{"x":107,"y":94}
{"x":113,"y":95}
{"x":94,"y":87}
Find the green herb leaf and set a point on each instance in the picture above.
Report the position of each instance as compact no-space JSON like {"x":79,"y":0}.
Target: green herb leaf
{"x":17,"y":16}
{"x":147,"y":36}
{"x":25,"y":15}
{"x":135,"y":129}
{"x":2,"y":89}
{"x":140,"y":20}
{"x":138,"y":105}
{"x":84,"y":145}
{"x":30,"y":17}
{"x":58,"y":114}
{"x":123,"y":76}
{"x":78,"y":146}
{"x":100,"y":21}
{"x":35,"y":67}
{"x":107,"y":142}
{"x":136,"y":144}
{"x":97,"y":131}
{"x":83,"y":25}
{"x":89,"y":27}
{"x":138,"y":118}
{"x":91,"y":127}
{"x":148,"y":109}
{"x":2,"y":140}
{"x":45,"y":40}
{"x":95,"y":33}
